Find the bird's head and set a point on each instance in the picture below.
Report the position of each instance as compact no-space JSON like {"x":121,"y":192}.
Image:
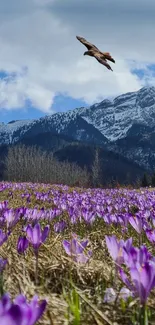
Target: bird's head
{"x":90,"y":53}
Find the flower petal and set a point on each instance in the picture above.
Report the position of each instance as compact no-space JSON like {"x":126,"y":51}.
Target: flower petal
{"x":45,"y":233}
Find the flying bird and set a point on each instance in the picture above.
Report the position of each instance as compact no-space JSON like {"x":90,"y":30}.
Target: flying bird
{"x":101,"y":57}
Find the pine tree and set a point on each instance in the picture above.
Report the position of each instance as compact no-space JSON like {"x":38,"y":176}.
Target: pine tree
{"x":145,"y":182}
{"x":153,"y":180}
{"x":96,"y":169}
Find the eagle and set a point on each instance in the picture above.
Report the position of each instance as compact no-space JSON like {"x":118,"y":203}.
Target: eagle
{"x":101,"y":57}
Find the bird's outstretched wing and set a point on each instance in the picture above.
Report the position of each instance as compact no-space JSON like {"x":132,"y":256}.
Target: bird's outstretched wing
{"x":89,"y":45}
{"x":108,"y":56}
{"x":102,"y":60}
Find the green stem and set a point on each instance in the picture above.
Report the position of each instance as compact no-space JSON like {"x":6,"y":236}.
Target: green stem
{"x":1,"y":285}
{"x":143,"y":315}
{"x":140,"y":239}
{"x":36,"y":270}
{"x":115,"y":276}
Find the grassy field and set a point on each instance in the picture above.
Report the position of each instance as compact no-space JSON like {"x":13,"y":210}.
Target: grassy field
{"x":75,"y":292}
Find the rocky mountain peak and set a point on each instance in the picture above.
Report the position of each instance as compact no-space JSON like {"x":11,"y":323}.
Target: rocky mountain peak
{"x":146,"y":97}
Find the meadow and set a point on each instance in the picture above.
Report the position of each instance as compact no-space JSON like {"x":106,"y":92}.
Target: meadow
{"x":88,"y":254}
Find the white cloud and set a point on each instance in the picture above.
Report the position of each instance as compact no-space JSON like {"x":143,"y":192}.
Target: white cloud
{"x":15,"y":91}
{"x":40,"y":35}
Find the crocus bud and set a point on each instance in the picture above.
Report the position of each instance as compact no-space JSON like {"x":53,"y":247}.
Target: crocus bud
{"x":22,"y":245}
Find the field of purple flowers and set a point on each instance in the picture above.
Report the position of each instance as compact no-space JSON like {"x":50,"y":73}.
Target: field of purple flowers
{"x":76,"y":256}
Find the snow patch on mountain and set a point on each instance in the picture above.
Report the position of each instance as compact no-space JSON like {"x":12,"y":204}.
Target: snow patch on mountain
{"x":113,"y":118}
{"x":15,"y":125}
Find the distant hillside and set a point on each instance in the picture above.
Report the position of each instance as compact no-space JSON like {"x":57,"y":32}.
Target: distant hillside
{"x":114,"y":166}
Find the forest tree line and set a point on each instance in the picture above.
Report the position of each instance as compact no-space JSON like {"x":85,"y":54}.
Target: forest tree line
{"x":32,"y":164}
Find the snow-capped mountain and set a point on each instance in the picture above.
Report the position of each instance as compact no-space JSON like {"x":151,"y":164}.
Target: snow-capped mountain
{"x":125,"y":124}
{"x":114,"y":118}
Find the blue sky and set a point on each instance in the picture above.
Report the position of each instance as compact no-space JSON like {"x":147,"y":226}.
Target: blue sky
{"x":61,"y":104}
{"x":42,"y":67}
{"x":144,"y":74}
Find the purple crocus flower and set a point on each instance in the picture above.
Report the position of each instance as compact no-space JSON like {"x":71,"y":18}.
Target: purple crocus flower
{"x":88,"y":216}
{"x":136,"y":256}
{"x":59,"y":226}
{"x":142,"y":280}
{"x":125,"y":293}
{"x":150,"y":233}
{"x":3,"y":237}
{"x":127,"y":244}
{"x":126,"y":280}
{"x":36,"y":236}
{"x":22,"y":244}
{"x":20,"y":312}
{"x":136,"y":223}
{"x":116,"y":247}
{"x":3,"y":205}
{"x":110,"y":295}
{"x":31,"y":311}
{"x":2,"y":264}
{"x":11,"y":316}
{"x":11,"y":218}
{"x":75,"y":249}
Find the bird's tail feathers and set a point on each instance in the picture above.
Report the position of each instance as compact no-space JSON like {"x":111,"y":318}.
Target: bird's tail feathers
{"x":108,"y":57}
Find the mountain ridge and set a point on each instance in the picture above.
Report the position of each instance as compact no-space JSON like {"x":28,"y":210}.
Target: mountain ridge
{"x":124,"y":124}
